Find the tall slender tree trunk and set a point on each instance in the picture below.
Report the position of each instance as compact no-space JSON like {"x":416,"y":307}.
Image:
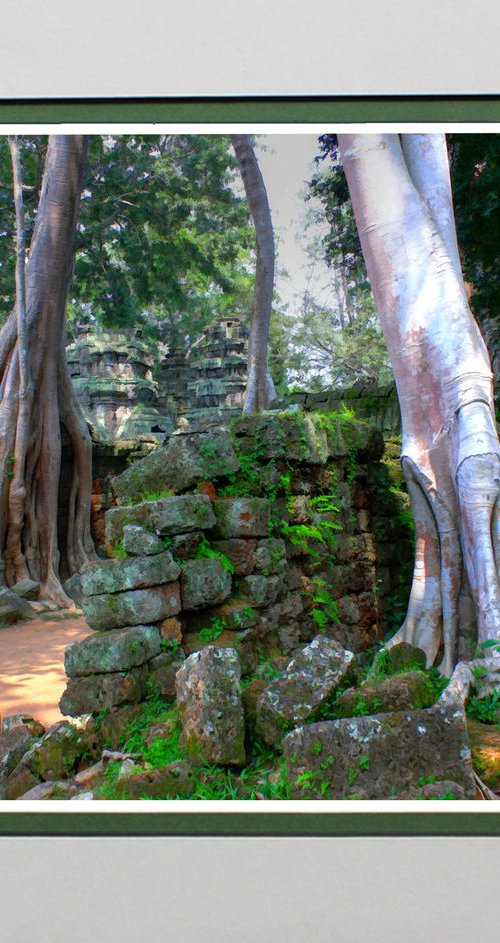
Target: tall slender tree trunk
{"x":401,"y":194}
{"x":35,"y":390}
{"x":260,"y":388}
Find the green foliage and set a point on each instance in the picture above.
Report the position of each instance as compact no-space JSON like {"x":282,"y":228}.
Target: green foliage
{"x":170,"y":645}
{"x":155,"y":495}
{"x":325,"y":609}
{"x":205,"y":551}
{"x":212,"y":632}
{"x":485,"y":709}
{"x":108,"y":788}
{"x":475,"y":171}
{"x":164,"y":239}
{"x":306,"y":536}
{"x":118,"y":551}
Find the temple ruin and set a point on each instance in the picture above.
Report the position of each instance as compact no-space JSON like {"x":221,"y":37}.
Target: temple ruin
{"x":127,"y":392}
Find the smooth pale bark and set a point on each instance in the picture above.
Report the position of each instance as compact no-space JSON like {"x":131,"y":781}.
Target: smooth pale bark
{"x":28,"y":538}
{"x":401,"y":195}
{"x":260,"y":388}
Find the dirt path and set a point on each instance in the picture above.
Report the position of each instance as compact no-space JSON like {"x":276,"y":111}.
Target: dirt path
{"x":32,"y":676}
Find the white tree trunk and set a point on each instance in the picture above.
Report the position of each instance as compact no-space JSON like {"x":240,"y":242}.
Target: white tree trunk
{"x":401,"y":194}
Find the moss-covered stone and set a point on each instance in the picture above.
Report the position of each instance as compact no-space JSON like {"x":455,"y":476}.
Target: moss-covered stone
{"x":291,"y":436}
{"x":384,"y":756}
{"x":116,"y":650}
{"x":14,"y":743}
{"x":115,"y":576}
{"x":310,"y":677}
{"x":401,"y":657}
{"x":58,"y":752}
{"x":204,"y":583}
{"x":166,"y":516}
{"x":176,"y":780}
{"x":210,"y":708}
{"x":135,"y":607}
{"x":407,"y":691}
{"x":184,"y":461}
{"x":242,"y":517}
{"x":139,"y":542}
{"x":95,"y":693}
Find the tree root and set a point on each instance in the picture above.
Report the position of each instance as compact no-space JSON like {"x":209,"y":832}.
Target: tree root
{"x":485,"y":791}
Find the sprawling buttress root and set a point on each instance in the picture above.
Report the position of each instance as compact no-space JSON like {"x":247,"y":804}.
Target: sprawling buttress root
{"x":431,"y":621}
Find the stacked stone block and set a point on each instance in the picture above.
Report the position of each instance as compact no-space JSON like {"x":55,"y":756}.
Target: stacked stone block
{"x":197,"y":568}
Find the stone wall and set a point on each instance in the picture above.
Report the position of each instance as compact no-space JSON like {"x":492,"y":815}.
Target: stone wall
{"x":377,"y":405}
{"x":256,"y":539}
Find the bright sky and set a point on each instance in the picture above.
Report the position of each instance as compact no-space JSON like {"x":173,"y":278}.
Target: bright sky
{"x":287,"y":163}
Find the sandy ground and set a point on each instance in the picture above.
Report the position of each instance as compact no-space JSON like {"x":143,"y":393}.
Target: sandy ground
{"x":32,"y":676}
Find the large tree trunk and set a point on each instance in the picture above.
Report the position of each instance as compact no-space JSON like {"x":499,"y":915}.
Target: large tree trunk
{"x":401,"y":194}
{"x":260,"y":388}
{"x":36,"y":392}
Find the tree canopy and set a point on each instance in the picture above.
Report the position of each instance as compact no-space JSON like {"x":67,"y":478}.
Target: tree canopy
{"x":164,"y":238}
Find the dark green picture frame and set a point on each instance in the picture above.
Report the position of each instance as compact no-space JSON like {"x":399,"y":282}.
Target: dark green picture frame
{"x":276,"y":110}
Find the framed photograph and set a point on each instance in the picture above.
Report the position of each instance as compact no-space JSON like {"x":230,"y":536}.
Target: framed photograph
{"x":329,"y":392}
{"x":250,"y":465}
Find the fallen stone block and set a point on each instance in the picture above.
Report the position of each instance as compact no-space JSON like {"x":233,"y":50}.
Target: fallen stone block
{"x":14,"y":744}
{"x":14,"y":608}
{"x":210,"y":706}
{"x":35,"y":728}
{"x":309,"y":678}
{"x":57,"y":753}
{"x":385,"y":756}
{"x":27,"y":589}
{"x":20,"y":780}
{"x":50,"y":790}
{"x":176,"y":780}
